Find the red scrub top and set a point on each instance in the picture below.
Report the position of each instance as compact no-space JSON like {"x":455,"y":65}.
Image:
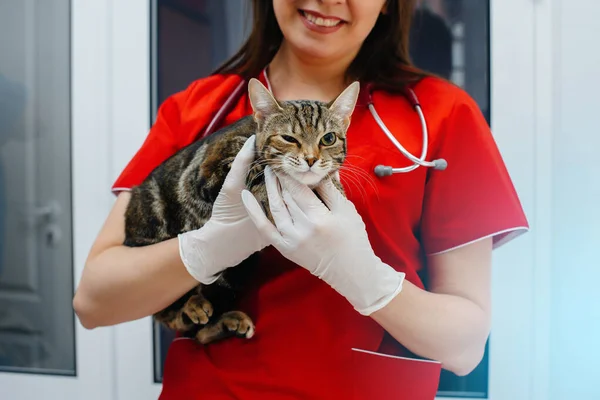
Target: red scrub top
{"x":304,"y":329}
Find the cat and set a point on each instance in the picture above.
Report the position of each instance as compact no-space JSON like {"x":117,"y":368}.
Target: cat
{"x":304,"y":139}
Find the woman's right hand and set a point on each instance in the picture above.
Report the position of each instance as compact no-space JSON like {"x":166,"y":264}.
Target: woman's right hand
{"x":121,"y":283}
{"x":229,"y":236}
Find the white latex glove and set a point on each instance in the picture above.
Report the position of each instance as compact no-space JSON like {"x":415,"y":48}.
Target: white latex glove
{"x":229,"y":236}
{"x":329,"y":240}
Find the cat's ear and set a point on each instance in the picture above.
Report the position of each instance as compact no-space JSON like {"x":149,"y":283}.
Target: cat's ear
{"x":263,"y":102}
{"x":344,"y":104}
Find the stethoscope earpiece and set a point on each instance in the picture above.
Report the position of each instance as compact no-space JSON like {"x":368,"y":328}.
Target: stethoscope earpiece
{"x":440,"y":164}
{"x":383,"y":170}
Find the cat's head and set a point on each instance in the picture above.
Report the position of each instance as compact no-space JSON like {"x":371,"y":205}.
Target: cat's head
{"x":303,"y":139}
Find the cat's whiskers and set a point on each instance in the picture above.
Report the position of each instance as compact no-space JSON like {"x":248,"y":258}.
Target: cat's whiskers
{"x":275,"y":164}
{"x":356,"y":175}
{"x":354,"y":181}
{"x":354,"y":156}
{"x":361,"y":173}
{"x":259,"y":163}
{"x":293,"y":160}
{"x":256,"y":164}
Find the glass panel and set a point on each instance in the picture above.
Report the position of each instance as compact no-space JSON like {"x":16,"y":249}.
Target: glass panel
{"x":191,"y":38}
{"x":449,"y":38}
{"x":36,"y":275}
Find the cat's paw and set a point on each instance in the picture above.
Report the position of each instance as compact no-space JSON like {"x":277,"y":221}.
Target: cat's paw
{"x":232,"y":323}
{"x":198,"y":309}
{"x":238,"y":323}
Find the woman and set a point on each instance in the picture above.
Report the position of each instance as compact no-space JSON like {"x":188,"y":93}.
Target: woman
{"x":441,"y":225}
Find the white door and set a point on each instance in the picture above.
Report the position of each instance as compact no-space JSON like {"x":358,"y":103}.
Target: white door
{"x":46,"y":219}
{"x":491,"y":53}
{"x":36,"y":325}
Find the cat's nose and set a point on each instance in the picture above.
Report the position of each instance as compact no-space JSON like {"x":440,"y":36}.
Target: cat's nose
{"x":311,"y":160}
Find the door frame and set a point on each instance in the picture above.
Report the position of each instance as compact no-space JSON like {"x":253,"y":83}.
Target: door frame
{"x":131,"y":115}
{"x":520,"y":41}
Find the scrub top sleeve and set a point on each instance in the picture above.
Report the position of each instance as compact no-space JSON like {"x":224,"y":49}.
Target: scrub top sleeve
{"x":474,"y":198}
{"x":162,"y":141}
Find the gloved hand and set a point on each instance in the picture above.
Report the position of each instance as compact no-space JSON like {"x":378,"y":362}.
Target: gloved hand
{"x":229,"y":236}
{"x":329,"y":240}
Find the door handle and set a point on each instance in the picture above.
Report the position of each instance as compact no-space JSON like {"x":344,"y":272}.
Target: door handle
{"x":45,"y":214}
{"x":49,"y":212}
{"x":46,"y":218}
{"x":52,"y":235}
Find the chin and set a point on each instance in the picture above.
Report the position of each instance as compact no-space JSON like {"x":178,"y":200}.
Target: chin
{"x":319,"y":51}
{"x":314,"y":51}
{"x":308,"y":178}
{"x":316,"y":48}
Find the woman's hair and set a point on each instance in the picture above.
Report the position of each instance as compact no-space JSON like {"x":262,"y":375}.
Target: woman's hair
{"x":383,"y":59}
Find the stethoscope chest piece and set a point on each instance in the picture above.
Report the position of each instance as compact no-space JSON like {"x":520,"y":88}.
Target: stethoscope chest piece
{"x":385,"y":170}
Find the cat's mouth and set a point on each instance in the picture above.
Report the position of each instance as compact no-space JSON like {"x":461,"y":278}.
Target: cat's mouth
{"x":310,"y":175}
{"x":309,"y":178}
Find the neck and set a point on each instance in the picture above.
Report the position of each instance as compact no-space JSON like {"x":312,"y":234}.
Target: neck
{"x":295,"y":77}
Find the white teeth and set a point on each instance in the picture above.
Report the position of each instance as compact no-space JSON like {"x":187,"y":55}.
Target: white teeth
{"x":321,"y":21}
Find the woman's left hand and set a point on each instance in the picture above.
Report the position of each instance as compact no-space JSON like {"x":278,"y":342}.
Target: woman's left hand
{"x":329,"y":240}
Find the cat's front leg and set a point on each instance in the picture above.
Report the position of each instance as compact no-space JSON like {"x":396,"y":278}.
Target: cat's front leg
{"x":198,"y":309}
{"x":191,"y":310}
{"x":229,"y":324}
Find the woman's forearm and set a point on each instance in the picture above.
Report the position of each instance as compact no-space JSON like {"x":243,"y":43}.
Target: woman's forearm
{"x":446,"y":328}
{"x":122,"y":284}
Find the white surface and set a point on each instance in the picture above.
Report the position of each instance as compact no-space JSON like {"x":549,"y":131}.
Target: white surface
{"x":35,"y":266}
{"x":542,"y":223}
{"x":574,"y":129}
{"x":513,"y":124}
{"x":555,"y":333}
{"x":130,"y":100}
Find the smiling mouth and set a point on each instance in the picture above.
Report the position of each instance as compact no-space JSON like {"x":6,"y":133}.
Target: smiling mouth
{"x":321,"y":21}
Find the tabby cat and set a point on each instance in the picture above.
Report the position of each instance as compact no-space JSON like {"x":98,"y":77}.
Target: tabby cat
{"x":303,"y":139}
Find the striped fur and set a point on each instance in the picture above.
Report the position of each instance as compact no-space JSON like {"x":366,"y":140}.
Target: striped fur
{"x":178,"y":195}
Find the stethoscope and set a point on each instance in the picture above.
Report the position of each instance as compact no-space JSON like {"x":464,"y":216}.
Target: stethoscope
{"x":385,"y":170}
{"x":366,"y":95}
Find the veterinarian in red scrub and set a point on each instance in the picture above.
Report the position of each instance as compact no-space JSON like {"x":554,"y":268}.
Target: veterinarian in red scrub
{"x":401,"y":268}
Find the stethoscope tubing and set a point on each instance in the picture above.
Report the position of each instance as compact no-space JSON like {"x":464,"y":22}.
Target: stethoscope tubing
{"x":407,"y":154}
{"x":379,"y":170}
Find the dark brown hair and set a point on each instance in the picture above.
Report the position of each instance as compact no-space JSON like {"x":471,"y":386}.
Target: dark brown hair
{"x":383,"y":59}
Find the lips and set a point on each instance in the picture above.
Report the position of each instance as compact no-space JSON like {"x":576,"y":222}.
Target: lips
{"x":320,"y":23}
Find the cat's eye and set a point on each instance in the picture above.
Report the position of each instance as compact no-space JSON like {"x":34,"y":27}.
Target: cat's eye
{"x":290,"y":139}
{"x":328,"y":139}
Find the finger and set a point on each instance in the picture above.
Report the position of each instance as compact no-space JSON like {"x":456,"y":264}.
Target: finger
{"x":298,"y":216}
{"x":279,"y":211}
{"x":236,"y":178}
{"x":304,"y":198}
{"x":330,"y":194}
{"x":258,"y":217}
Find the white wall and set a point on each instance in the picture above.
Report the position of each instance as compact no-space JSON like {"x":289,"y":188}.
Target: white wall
{"x":575,"y":215}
